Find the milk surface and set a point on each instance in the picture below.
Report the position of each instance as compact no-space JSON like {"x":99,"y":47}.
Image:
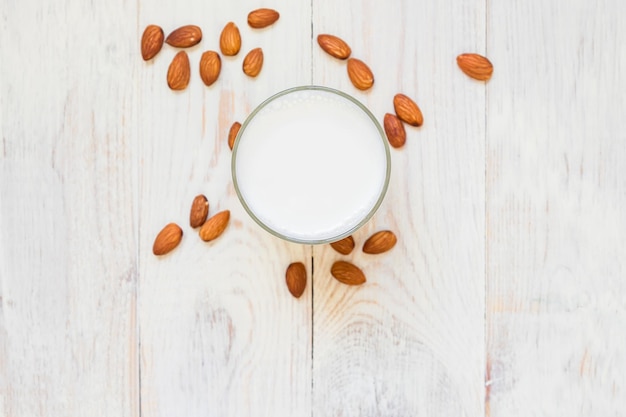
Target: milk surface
{"x":310,"y":165}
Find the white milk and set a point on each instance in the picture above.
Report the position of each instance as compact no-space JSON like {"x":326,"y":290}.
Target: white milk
{"x":311,"y":165}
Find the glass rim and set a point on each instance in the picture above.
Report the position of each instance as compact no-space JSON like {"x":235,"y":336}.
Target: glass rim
{"x":381,"y":134}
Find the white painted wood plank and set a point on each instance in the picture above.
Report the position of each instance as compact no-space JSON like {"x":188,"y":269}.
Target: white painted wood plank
{"x":220,"y":333}
{"x":68,"y":343}
{"x":556,"y":194}
{"x":411,"y":340}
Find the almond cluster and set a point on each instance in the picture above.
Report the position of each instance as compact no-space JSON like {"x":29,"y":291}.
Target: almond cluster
{"x":359,"y":73}
{"x":406,"y":110}
{"x":210,"y":227}
{"x":343,"y":271}
{"x":210,"y":66}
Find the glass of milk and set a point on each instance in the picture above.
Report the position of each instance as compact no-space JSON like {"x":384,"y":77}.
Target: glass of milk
{"x":311,"y":165}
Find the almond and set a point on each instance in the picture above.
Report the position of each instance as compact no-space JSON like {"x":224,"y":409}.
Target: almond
{"x":261,"y":18}
{"x":215,"y":226}
{"x":185,"y":36}
{"x":210,"y":67}
{"x":253,"y":62}
{"x":380,"y":242}
{"x":232,"y":134}
{"x":334,"y":46}
{"x":178,"y":73}
{"x":407,"y":110}
{"x":151,"y":42}
{"x":296,"y":278}
{"x":475,"y":66}
{"x":347,"y":273}
{"x":344,"y":246}
{"x":360,"y":74}
{"x":167,"y":239}
{"x":394,"y":130}
{"x":230,"y":40}
{"x":199,"y":211}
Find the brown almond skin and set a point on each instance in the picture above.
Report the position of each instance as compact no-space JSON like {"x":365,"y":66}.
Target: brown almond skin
{"x":168,"y":238}
{"x":210,"y":67}
{"x":394,"y":129}
{"x":261,"y":18}
{"x":199,"y":211}
{"x":407,"y":110}
{"x":347,"y":273}
{"x":232,"y":134}
{"x":230,"y":40}
{"x":253,"y":62}
{"x":215,"y":226}
{"x":184,"y":36}
{"x":380,"y":242}
{"x":360,"y":74}
{"x":475,"y":66}
{"x":295,"y":277}
{"x":334,"y":46}
{"x":151,"y":42}
{"x":344,"y":246}
{"x":179,"y":72}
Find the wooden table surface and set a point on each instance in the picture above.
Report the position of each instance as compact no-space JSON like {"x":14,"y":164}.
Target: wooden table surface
{"x":506,"y":292}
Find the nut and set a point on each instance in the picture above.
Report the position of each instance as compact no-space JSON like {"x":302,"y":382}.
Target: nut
{"x":394,"y":130}
{"x":199,"y":211}
{"x":360,"y":74}
{"x":230,"y":40}
{"x":178,"y":73}
{"x":334,"y":46}
{"x":261,"y":18}
{"x":475,"y":66}
{"x":151,"y":42}
{"x":347,"y":273}
{"x":295,"y":276}
{"x":185,"y":36}
{"x":253,"y":62}
{"x":380,"y":242}
{"x":167,"y":239}
{"x":407,"y":110}
{"x":210,"y":67}
{"x":232,"y":134}
{"x":344,"y":246}
{"x":215,"y":226}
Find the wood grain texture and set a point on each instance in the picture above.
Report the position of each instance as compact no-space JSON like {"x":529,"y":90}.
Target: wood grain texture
{"x":556,"y":302}
{"x":68,"y":340}
{"x":220,"y":333}
{"x":410,"y":341}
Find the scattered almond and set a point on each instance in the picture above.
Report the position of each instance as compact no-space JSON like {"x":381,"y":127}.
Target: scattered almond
{"x":261,"y":18}
{"x":296,"y":278}
{"x":178,"y":73}
{"x":230,"y":40}
{"x":167,"y":239}
{"x":360,"y":74}
{"x":199,"y":211}
{"x":232,"y":134}
{"x":185,"y":36}
{"x":347,"y":273}
{"x":151,"y":42}
{"x":394,"y":130}
{"x":407,"y":110}
{"x":475,"y":66}
{"x":210,"y":67}
{"x":344,"y":246}
{"x":215,"y":226}
{"x":253,"y":62}
{"x":334,"y":46}
{"x":380,"y":242}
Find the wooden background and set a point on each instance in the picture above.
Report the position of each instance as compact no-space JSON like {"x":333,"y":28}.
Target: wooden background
{"x":505,"y":296}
